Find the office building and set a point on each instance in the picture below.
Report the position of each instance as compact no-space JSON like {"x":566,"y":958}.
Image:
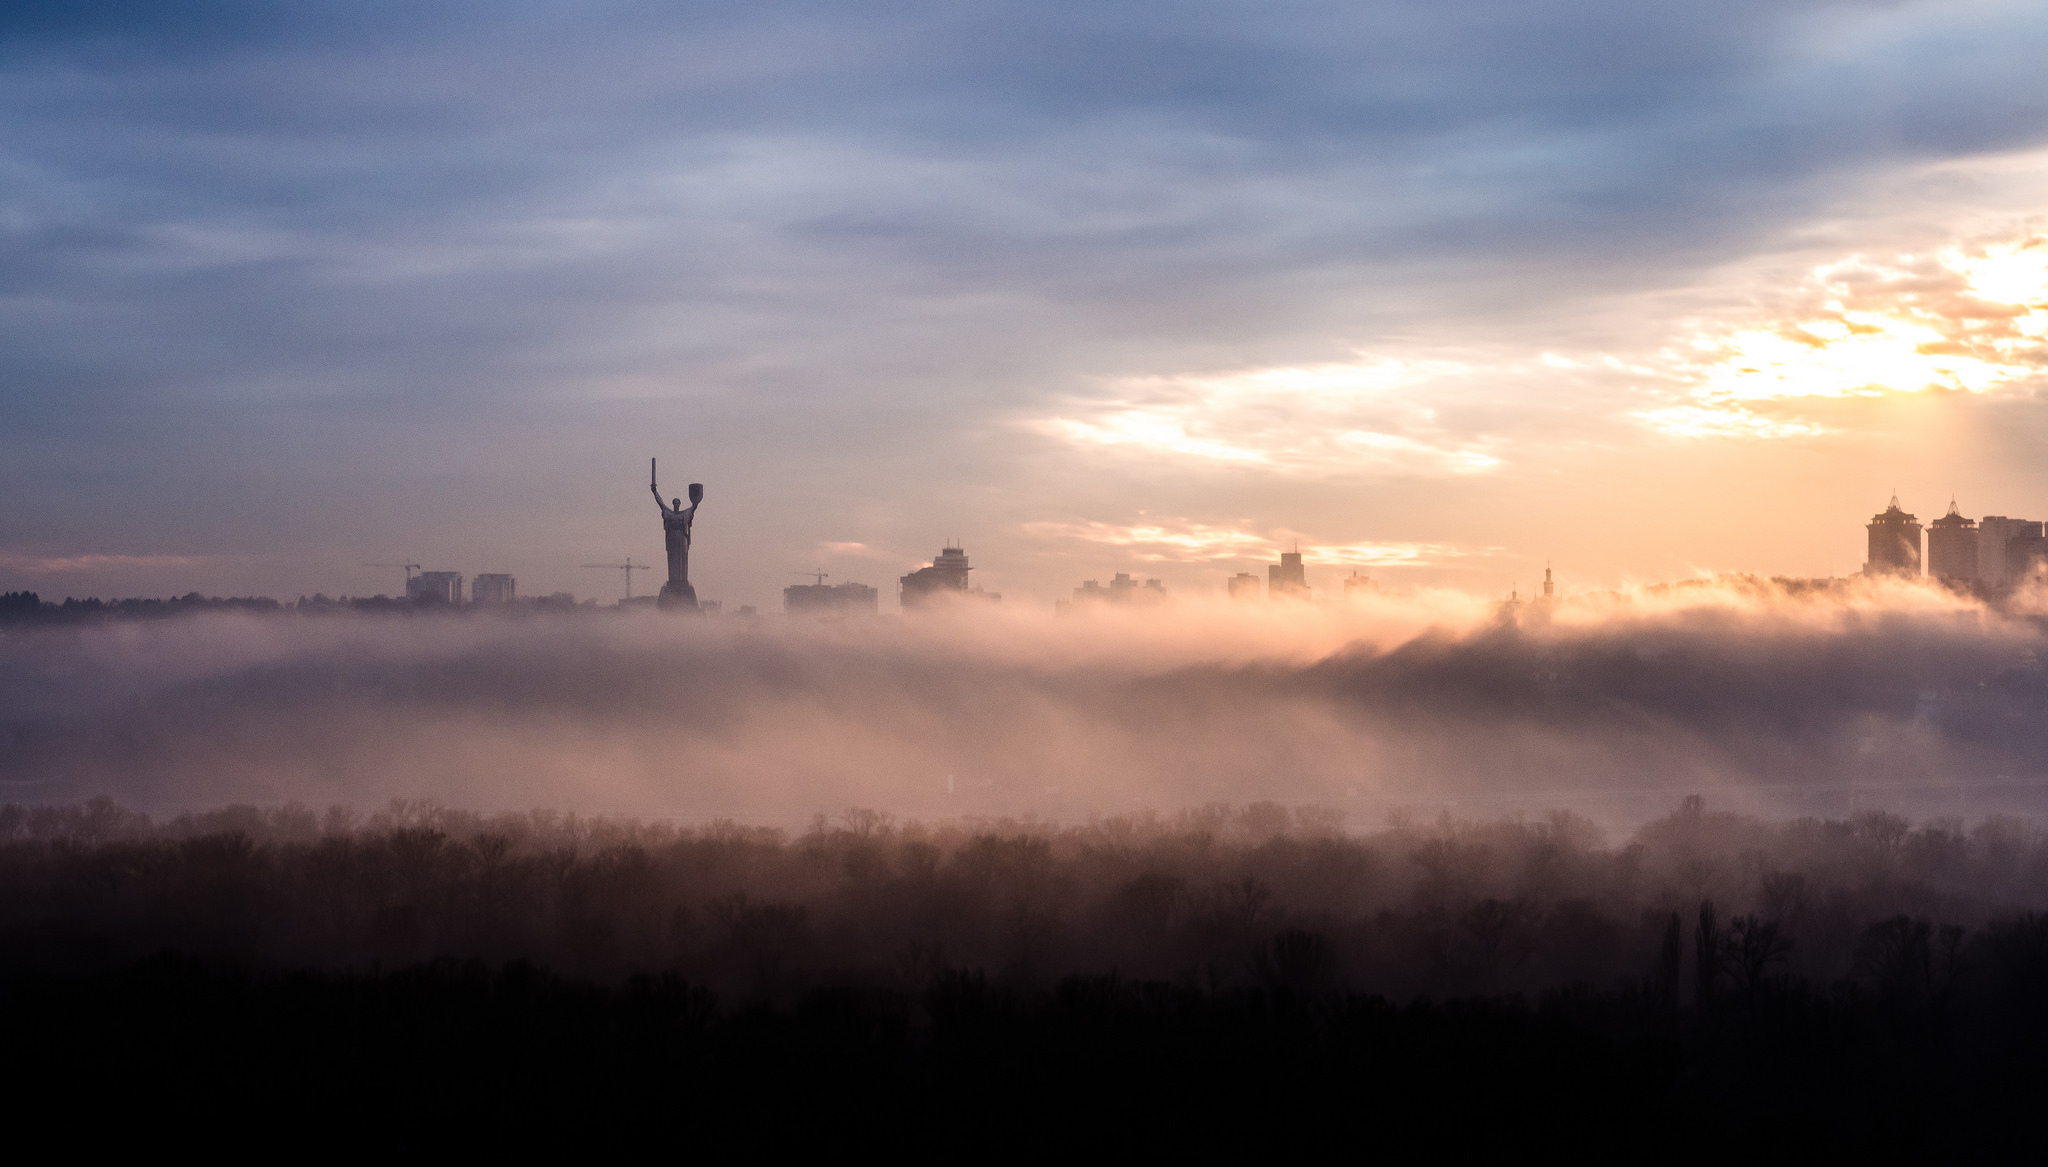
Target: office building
{"x":1243,"y":586}
{"x":495,"y":588}
{"x":1358,"y":586}
{"x":1952,"y":546}
{"x":444,"y":587}
{"x":1894,"y":542}
{"x":823,"y":599}
{"x":1287,"y":578}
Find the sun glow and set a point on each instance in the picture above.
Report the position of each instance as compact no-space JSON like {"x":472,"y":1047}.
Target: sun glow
{"x":1963,"y":320}
{"x":1852,"y":354}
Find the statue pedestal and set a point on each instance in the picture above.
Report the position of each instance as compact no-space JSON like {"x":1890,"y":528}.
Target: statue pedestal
{"x":677,"y":597}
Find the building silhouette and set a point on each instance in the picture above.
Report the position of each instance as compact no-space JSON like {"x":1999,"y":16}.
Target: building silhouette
{"x":1995,"y":534}
{"x":1894,"y":542}
{"x":435,"y":586}
{"x":1356,"y":585}
{"x":1121,"y":590}
{"x":2026,"y":557}
{"x":1952,"y":551}
{"x":1243,"y":586}
{"x":1287,"y":578}
{"x":492,"y":588}
{"x":823,"y":599}
{"x":945,"y":579}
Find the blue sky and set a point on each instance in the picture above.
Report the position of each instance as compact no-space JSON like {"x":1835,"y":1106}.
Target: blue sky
{"x":1441,"y":290}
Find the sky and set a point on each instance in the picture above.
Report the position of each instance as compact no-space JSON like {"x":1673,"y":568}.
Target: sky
{"x":1442,"y":292}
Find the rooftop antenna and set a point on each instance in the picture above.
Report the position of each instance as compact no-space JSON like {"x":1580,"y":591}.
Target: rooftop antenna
{"x":409,"y":569}
{"x":628,"y":567}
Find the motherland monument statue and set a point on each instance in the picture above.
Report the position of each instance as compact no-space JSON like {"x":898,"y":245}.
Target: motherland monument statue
{"x":675,"y":527}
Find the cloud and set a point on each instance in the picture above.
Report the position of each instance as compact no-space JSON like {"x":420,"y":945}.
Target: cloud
{"x":1188,"y":542}
{"x":858,"y":550}
{"x":75,"y":564}
{"x":1325,"y":419}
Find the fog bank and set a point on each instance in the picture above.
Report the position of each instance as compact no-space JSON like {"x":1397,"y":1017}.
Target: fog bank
{"x":1880,"y":697}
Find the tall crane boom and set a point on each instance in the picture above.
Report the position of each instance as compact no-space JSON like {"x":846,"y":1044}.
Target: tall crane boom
{"x":628,"y":568}
{"x":409,"y":569}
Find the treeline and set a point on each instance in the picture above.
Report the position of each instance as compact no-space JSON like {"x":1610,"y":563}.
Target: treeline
{"x":1259,"y":895}
{"x":1243,"y":979}
{"x":29,"y":608}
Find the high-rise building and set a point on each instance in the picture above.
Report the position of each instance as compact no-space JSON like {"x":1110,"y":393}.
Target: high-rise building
{"x":1952,"y":546}
{"x":823,"y":599}
{"x":1244,"y":586}
{"x":1358,"y":586}
{"x":494,"y":588}
{"x":1894,"y":542}
{"x":946,"y":578}
{"x":435,"y":587}
{"x":1287,"y":577}
{"x":2026,"y":558}
{"x":1995,"y":534}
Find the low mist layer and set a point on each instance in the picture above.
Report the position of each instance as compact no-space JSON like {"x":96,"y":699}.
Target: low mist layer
{"x":1764,"y":699}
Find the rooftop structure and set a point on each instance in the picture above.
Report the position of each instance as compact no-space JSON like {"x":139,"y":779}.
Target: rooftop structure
{"x":1894,"y":542}
{"x":1287,"y":578}
{"x":945,"y":579}
{"x":1952,"y":551}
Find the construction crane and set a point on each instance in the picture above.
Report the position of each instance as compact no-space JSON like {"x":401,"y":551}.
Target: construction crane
{"x":409,"y":569}
{"x":629,"y":567}
{"x":822,"y":576}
